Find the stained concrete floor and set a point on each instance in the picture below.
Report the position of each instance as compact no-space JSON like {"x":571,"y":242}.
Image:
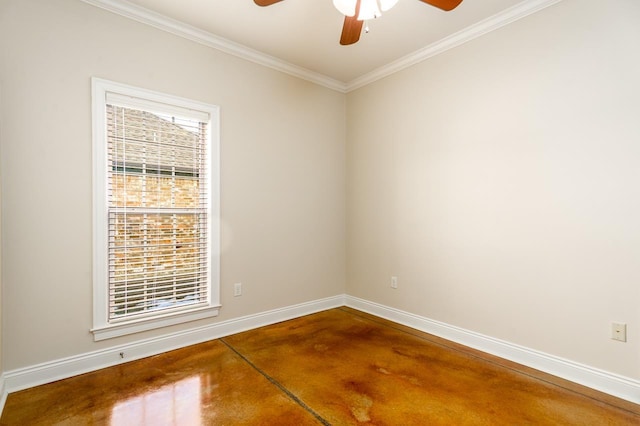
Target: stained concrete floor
{"x":338,"y":367}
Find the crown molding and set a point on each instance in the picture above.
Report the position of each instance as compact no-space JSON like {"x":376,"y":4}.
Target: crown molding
{"x":512,"y":14}
{"x":164,"y":23}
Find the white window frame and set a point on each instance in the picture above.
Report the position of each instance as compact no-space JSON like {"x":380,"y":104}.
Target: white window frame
{"x":102,"y":328}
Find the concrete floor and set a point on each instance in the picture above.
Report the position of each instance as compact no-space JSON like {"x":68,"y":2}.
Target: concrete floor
{"x":338,"y":367}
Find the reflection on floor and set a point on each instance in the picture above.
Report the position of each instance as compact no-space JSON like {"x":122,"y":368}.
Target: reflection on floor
{"x":180,"y":400}
{"x":338,"y":367}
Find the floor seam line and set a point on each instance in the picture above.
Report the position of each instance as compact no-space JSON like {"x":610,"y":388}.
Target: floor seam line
{"x":277,"y":384}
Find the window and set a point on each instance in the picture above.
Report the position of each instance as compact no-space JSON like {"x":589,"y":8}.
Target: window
{"x":156,"y":233}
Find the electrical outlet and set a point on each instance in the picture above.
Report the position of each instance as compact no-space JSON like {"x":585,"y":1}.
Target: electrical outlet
{"x":619,"y":331}
{"x":237,"y":289}
{"x":394,"y":282}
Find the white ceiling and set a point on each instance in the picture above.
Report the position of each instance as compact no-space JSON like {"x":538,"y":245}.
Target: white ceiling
{"x":302,"y":36}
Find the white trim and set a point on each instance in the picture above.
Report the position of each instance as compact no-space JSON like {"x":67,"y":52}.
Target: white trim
{"x":112,"y":91}
{"x":3,"y":393}
{"x":47,"y":372}
{"x":483,"y":27}
{"x":164,"y":23}
{"x":23,"y":378}
{"x":130,"y":327}
{"x":613,"y":384}
{"x":102,"y":92}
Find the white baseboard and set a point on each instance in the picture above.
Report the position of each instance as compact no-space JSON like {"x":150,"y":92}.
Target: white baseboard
{"x":27,"y":377}
{"x":612,"y":384}
{"x":3,"y":393}
{"x":23,"y":378}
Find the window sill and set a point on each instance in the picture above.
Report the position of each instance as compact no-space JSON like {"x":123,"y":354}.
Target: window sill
{"x":131,"y":327}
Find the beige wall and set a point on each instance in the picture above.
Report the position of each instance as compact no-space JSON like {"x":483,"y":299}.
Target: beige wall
{"x":283,"y":170}
{"x":500,"y":182}
{"x":1,"y":307}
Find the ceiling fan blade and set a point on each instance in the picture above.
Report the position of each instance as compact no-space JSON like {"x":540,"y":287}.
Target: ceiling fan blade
{"x":266,"y":2}
{"x":443,"y":4}
{"x":351,"y":30}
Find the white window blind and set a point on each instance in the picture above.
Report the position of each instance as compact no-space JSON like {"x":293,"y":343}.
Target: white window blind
{"x":154,"y":205}
{"x":157,"y":197}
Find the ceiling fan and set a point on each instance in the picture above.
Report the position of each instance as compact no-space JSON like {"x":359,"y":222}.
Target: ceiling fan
{"x":354,"y":19}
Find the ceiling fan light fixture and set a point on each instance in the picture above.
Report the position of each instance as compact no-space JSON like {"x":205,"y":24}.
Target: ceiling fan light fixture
{"x":346,"y":7}
{"x":369,"y":9}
